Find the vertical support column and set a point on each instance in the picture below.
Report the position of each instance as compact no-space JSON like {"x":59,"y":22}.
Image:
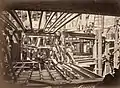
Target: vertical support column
{"x":99,"y":24}
{"x":78,"y":47}
{"x":116,"y":46}
{"x":100,"y":52}
{"x":20,"y":45}
{"x":100,"y":44}
{"x":95,"y":53}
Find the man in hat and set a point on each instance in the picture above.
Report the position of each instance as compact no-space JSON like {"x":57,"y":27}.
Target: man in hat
{"x":106,"y":67}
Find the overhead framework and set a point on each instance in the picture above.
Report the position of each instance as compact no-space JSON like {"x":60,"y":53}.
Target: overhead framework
{"x":53,"y":15}
{"x":18,"y":20}
{"x":24,"y":70}
{"x":54,"y":21}
{"x":82,"y":6}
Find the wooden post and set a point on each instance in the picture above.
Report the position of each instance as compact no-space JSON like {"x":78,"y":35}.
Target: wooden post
{"x":116,"y":46}
{"x":95,"y":53}
{"x":99,"y":52}
{"x":100,"y":30}
{"x":99,"y":24}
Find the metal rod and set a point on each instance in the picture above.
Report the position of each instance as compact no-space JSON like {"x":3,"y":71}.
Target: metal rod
{"x":29,"y":14}
{"x":66,"y":22}
{"x":16,"y":17}
{"x":50,"y":18}
{"x":40,"y":19}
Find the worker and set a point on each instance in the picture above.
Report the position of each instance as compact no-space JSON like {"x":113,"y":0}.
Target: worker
{"x":106,"y":69}
{"x":111,"y":57}
{"x":28,"y":54}
{"x":118,"y":62}
{"x":69,"y":52}
{"x":24,"y":54}
{"x":106,"y":83}
{"x":34,"y":54}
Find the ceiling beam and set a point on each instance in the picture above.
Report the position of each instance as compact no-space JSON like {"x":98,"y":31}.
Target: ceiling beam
{"x":10,"y":25}
{"x":16,"y":17}
{"x":40,"y":19}
{"x":67,"y":21}
{"x":50,"y":18}
{"x":67,"y":17}
{"x":54,"y":23}
{"x":6,"y":24}
{"x":10,"y":28}
{"x":62,"y":16}
{"x":29,"y":14}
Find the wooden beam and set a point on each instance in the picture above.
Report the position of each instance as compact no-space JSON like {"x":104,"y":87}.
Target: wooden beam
{"x":63,"y":15}
{"x":40,"y":19}
{"x":65,"y":82}
{"x":116,"y":44}
{"x":9,"y":22}
{"x":29,"y":75}
{"x":16,"y":17}
{"x":29,"y":14}
{"x":70,"y":72}
{"x":67,"y":17}
{"x":50,"y":18}
{"x":20,"y":70}
{"x":43,"y":20}
{"x":10,"y":28}
{"x":51,"y":75}
{"x":88,"y":72}
{"x":67,"y":21}
{"x":81,"y":73}
{"x":40,"y":75}
{"x":61,"y":73}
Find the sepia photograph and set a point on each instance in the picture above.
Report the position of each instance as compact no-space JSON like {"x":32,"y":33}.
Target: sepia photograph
{"x":59,"y":44}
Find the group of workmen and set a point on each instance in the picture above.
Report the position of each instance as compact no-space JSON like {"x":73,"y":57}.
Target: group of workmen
{"x":58,"y":53}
